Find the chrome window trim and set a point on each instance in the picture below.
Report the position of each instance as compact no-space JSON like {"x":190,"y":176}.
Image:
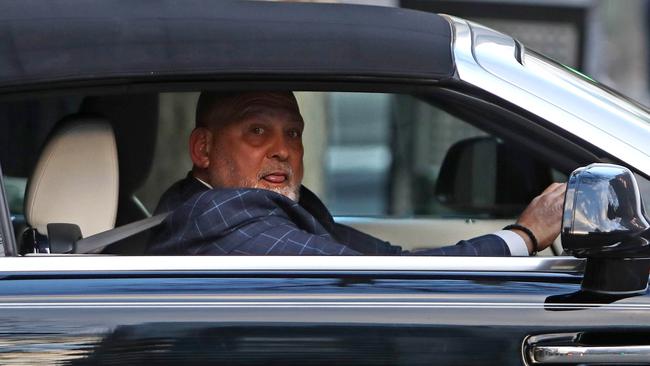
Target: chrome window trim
{"x":100,"y":263}
{"x":486,"y":59}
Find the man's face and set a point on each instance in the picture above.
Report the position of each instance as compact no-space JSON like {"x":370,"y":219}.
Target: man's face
{"x":261,"y":150}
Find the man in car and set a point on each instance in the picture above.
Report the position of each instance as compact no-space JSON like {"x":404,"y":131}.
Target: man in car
{"x":244,"y":194}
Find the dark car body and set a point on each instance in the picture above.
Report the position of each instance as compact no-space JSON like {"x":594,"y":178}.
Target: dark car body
{"x":111,"y":309}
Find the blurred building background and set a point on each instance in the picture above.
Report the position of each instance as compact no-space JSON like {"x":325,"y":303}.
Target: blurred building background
{"x":605,"y":39}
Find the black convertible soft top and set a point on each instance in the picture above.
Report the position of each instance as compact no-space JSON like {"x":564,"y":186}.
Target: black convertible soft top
{"x":78,"y":40}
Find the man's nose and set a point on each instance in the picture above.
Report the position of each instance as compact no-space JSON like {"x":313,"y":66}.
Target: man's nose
{"x":279,"y":149}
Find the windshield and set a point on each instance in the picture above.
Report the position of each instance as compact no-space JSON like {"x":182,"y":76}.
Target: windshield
{"x":584,"y":82}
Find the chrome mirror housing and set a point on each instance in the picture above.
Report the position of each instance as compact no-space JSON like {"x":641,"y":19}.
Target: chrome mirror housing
{"x":603,"y":214}
{"x":604,"y":221}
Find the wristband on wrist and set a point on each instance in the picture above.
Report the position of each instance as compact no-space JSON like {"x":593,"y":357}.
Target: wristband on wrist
{"x":528,"y":232}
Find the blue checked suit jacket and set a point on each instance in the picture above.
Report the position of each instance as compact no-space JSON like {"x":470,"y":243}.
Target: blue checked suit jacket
{"x":261,"y":222}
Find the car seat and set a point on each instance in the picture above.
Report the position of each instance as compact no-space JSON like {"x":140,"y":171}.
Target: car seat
{"x":73,"y":190}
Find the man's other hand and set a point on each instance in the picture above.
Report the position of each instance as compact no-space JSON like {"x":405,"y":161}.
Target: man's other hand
{"x":543,"y":217}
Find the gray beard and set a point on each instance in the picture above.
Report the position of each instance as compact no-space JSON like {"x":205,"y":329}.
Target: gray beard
{"x":292,"y":192}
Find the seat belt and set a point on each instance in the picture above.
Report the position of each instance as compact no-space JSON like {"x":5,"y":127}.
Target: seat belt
{"x":96,"y":243}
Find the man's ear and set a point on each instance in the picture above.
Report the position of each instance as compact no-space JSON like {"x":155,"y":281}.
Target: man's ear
{"x":200,"y":145}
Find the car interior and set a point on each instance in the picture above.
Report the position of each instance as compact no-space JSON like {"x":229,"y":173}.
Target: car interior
{"x":400,"y":168}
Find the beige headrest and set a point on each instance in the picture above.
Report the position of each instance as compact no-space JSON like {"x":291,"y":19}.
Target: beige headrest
{"x":76,"y":178}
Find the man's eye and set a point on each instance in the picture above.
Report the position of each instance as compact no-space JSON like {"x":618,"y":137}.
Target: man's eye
{"x":257,"y":130}
{"x":294,"y":133}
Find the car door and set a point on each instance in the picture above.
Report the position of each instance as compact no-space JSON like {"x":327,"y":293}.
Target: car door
{"x":257,"y":310}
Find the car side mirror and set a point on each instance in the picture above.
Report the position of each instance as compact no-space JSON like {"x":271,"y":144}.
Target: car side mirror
{"x":604,"y":221}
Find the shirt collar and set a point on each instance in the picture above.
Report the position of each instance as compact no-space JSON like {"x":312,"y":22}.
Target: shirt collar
{"x":204,"y":183}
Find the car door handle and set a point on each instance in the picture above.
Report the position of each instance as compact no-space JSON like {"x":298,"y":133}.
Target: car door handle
{"x":565,"y":349}
{"x":590,"y":355}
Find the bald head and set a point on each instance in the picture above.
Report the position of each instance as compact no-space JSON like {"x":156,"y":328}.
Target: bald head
{"x":218,"y":108}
